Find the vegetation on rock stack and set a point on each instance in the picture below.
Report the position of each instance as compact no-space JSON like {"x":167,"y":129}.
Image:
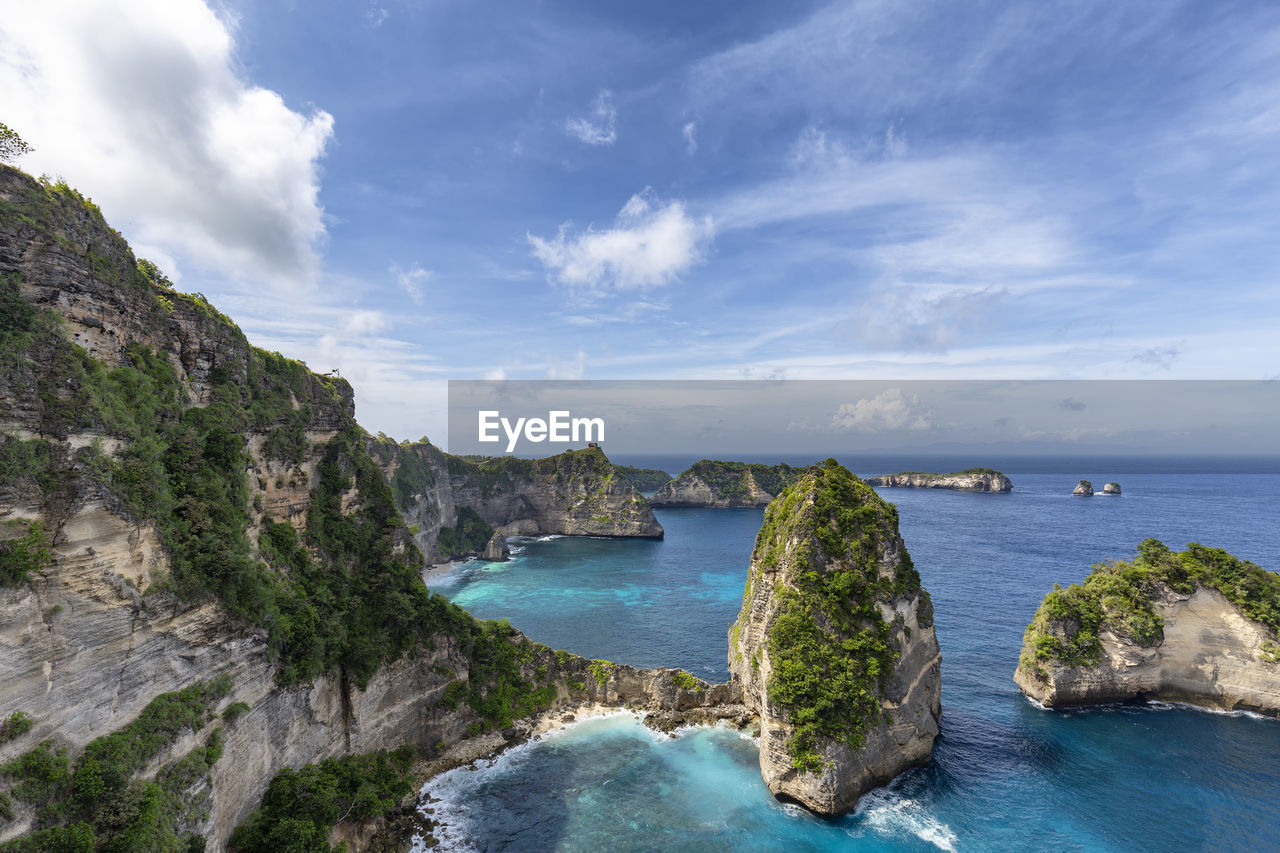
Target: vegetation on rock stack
{"x":1118,"y":596}
{"x":103,"y":802}
{"x":829,"y":646}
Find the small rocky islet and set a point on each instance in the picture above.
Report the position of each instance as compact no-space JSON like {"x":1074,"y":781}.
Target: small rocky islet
{"x":1200,"y":626}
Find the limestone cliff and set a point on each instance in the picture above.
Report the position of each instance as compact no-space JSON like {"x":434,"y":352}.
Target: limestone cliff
{"x":188,"y":522}
{"x":712,"y":483}
{"x":576,"y":493}
{"x":835,"y":646}
{"x":1198,"y":626}
{"x":970,"y":480}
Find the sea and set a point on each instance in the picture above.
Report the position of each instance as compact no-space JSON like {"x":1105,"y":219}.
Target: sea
{"x":1005,"y":775}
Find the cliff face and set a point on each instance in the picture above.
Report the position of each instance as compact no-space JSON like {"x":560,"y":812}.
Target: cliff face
{"x":177,"y":506}
{"x":724,"y":484}
{"x":576,"y":493}
{"x":1197,"y":627}
{"x":973,"y":480}
{"x":835,"y":647}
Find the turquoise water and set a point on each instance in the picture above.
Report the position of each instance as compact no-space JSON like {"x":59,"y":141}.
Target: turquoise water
{"x":1006,"y":775}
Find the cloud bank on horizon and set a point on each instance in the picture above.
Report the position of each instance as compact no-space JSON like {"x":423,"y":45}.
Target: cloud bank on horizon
{"x":867,"y":189}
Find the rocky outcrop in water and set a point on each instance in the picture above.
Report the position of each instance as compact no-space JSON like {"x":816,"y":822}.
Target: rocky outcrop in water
{"x":496,"y":551}
{"x":711,"y":483}
{"x":971,"y":480}
{"x":835,"y":646}
{"x":1111,"y":489}
{"x":1083,"y":489}
{"x":1198,"y":626}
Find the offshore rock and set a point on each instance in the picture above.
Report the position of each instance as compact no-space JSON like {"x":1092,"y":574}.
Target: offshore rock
{"x":496,"y":550}
{"x":1083,"y":489}
{"x":972,"y":480}
{"x":835,"y":647}
{"x":1111,"y":489}
{"x":1159,"y":627}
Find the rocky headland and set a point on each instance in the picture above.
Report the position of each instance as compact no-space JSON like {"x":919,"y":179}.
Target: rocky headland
{"x":1200,"y":626}
{"x":835,"y":647}
{"x":969,"y":480}
{"x":576,"y":493}
{"x":644,"y":479}
{"x":714,"y":483}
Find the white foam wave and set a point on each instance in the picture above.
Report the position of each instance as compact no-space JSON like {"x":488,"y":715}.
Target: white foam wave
{"x":445,"y":798}
{"x":1158,"y":705}
{"x":891,"y":814}
{"x":549,"y":538}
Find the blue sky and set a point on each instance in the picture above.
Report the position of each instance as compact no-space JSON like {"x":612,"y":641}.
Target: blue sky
{"x":419,"y":191}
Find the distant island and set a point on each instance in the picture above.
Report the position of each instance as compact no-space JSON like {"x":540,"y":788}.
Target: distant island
{"x":1198,"y":626}
{"x":968,"y":480}
{"x":718,"y":483}
{"x":644,"y":479}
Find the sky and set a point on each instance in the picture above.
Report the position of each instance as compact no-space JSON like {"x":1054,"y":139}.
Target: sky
{"x":413,"y":191}
{"x":984,"y":418}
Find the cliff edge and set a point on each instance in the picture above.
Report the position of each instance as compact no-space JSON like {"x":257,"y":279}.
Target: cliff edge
{"x":1199,"y":626}
{"x":834,"y":646}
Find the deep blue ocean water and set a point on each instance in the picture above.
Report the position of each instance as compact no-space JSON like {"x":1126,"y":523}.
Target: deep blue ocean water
{"x":1005,"y":775}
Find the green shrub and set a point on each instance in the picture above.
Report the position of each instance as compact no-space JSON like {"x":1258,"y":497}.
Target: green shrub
{"x":15,"y":726}
{"x":301,"y":807}
{"x":27,"y":554}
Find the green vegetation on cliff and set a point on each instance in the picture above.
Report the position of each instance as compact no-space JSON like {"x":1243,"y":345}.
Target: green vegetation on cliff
{"x":644,"y":479}
{"x":101,"y":804}
{"x":829,"y":646}
{"x":468,"y":536}
{"x":301,"y":807}
{"x":1118,"y":594}
{"x":728,"y":480}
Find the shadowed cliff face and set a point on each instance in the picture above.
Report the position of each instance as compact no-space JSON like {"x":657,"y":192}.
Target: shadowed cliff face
{"x":835,"y":646}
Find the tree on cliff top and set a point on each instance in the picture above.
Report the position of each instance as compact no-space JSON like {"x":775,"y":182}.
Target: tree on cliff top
{"x":12,"y":146}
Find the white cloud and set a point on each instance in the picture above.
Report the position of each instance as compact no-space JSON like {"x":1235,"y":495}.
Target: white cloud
{"x":364,"y":323}
{"x":890,"y":410}
{"x":690,"y":137}
{"x":600,"y":126}
{"x":142,"y":106}
{"x":412,"y":280}
{"x":651,"y":244}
